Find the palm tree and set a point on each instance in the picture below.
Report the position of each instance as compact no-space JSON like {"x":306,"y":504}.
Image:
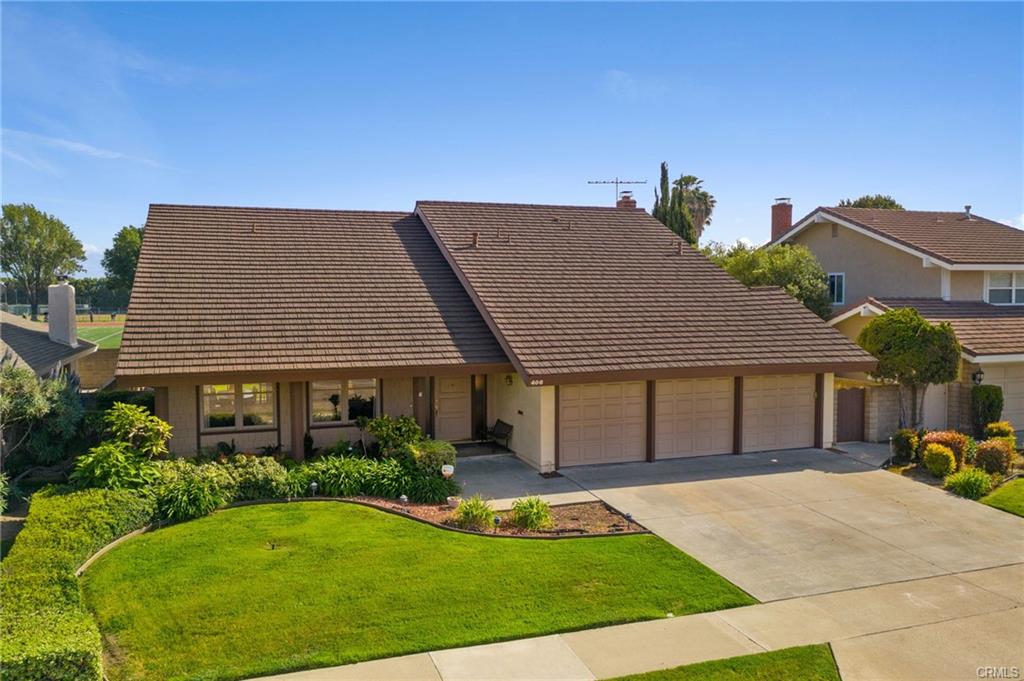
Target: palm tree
{"x":698,"y":202}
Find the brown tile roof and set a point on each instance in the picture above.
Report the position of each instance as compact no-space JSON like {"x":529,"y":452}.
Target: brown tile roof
{"x":949,"y":237}
{"x":574,"y":291}
{"x":259,"y":289}
{"x":983,"y":329}
{"x":28,"y":343}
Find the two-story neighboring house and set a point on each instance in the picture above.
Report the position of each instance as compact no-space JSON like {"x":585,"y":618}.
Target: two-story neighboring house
{"x":950,"y":266}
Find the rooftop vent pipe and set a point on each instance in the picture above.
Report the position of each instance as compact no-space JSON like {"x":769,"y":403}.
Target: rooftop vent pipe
{"x":967,"y":212}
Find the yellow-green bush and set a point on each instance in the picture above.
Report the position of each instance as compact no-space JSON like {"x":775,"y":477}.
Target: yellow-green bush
{"x":939,"y":459}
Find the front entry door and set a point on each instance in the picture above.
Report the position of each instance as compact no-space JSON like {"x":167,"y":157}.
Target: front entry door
{"x":452,"y":408}
{"x":850,"y":422}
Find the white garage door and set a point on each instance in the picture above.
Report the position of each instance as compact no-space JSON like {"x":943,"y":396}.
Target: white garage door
{"x":602,"y":423}
{"x":778,"y":412}
{"x":1010,"y":377}
{"x":693,"y":417}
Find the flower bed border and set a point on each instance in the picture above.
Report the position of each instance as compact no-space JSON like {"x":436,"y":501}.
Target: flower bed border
{"x":358,"y":502}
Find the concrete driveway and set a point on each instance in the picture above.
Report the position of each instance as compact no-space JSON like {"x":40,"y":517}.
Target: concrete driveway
{"x":795,"y":523}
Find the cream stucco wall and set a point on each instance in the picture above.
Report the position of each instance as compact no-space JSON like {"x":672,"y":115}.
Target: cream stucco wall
{"x":531,"y":412}
{"x":828,"y":414}
{"x":967,"y":285}
{"x":872,"y":268}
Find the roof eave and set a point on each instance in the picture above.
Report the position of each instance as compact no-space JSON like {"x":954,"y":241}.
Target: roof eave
{"x":699,"y":372}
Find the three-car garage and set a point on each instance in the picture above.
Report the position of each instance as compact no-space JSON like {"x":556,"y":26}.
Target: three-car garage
{"x":664,"y":419}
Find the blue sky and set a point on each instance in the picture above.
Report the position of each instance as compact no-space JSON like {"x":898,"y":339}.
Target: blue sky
{"x":108,"y":107}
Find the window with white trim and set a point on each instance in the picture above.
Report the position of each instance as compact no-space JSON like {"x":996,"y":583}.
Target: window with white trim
{"x":238,"y":406}
{"x":837,"y":287}
{"x":1005,"y":288}
{"x":342,"y":402}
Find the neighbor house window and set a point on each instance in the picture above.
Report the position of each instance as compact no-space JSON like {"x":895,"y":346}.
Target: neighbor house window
{"x":837,"y":288}
{"x":238,"y":405}
{"x":1006,"y":288}
{"x":337,"y":402}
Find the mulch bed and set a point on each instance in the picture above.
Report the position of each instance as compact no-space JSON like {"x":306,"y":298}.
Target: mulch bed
{"x":584,"y":519}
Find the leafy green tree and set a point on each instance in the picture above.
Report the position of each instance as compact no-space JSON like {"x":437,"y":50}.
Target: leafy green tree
{"x":683,"y":205}
{"x":36,"y":248}
{"x":872,"y":201}
{"x":39,"y":416}
{"x":121,"y":259}
{"x":913,"y":353}
{"x":133,"y":425}
{"x":791,"y":267}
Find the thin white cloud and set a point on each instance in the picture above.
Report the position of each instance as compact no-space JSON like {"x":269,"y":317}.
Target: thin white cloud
{"x":91,"y":249}
{"x":746,"y":241}
{"x":34,"y":163}
{"x":80,"y":148}
{"x":627,"y":86}
{"x":1017,"y":222}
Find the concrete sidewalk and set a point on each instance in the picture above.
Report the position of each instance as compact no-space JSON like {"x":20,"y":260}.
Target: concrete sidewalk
{"x":944,"y":627}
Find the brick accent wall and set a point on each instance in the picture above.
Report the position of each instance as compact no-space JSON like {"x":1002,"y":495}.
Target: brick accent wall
{"x":97,"y":370}
{"x":881,"y":412}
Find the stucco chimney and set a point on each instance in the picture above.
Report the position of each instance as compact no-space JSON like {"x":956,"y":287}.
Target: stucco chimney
{"x":626,"y":200}
{"x":782,"y":217}
{"x":61,"y":314}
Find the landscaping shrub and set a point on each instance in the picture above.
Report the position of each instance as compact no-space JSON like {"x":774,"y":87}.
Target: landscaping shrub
{"x":427,"y":456}
{"x":474,"y":514}
{"x":986,"y":406}
{"x":994,"y":456}
{"x":905,"y":442}
{"x":46,"y":630}
{"x":113,"y":465}
{"x":137,"y":427}
{"x":345,"y":448}
{"x":1002,"y":430}
{"x":256,"y":477}
{"x":392,"y":434}
{"x":105,"y":399}
{"x":970,"y":483}
{"x":939,"y":459}
{"x":192,"y":491}
{"x":431,"y":490}
{"x":531,"y":513}
{"x":958,"y":443}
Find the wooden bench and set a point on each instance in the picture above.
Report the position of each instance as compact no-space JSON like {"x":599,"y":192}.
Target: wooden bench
{"x":500,"y":431}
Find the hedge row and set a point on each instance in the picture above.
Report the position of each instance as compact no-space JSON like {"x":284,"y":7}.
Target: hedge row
{"x":46,"y":630}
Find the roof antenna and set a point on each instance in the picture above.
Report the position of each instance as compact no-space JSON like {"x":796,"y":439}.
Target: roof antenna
{"x":616,"y":182}
{"x":967,"y":211}
{"x":679,"y":247}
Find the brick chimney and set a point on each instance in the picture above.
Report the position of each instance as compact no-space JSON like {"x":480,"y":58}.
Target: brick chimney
{"x":626,"y":200}
{"x":60,"y":306}
{"x":782,"y":217}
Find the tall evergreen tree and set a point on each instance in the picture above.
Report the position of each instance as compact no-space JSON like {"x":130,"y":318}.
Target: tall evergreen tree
{"x":683,"y":205}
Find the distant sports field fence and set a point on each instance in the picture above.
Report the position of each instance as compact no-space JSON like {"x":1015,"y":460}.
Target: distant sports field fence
{"x":82,"y":313}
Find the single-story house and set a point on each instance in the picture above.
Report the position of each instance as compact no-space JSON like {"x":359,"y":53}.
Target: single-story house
{"x":952,"y":266}
{"x":597,"y":333}
{"x":46,"y":349}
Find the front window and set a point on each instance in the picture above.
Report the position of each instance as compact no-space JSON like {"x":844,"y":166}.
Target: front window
{"x":1006,"y":288}
{"x":837,"y":288}
{"x":336,"y":402}
{"x":238,"y":406}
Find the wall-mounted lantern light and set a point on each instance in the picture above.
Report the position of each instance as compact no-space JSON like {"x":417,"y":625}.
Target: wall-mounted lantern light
{"x":508,"y":380}
{"x":978,"y":376}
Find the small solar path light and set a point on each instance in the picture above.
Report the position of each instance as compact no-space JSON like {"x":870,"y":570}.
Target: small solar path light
{"x":312,"y":488}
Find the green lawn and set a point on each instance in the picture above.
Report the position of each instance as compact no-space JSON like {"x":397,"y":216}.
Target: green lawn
{"x":211,"y":599}
{"x":807,"y":663}
{"x":1009,"y":497}
{"x":107,"y":337}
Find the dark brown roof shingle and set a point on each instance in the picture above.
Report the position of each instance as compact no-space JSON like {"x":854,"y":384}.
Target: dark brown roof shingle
{"x":223,"y":289}
{"x":575,"y":290}
{"x":983,"y":329}
{"x":28,"y":343}
{"x":948,"y":236}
